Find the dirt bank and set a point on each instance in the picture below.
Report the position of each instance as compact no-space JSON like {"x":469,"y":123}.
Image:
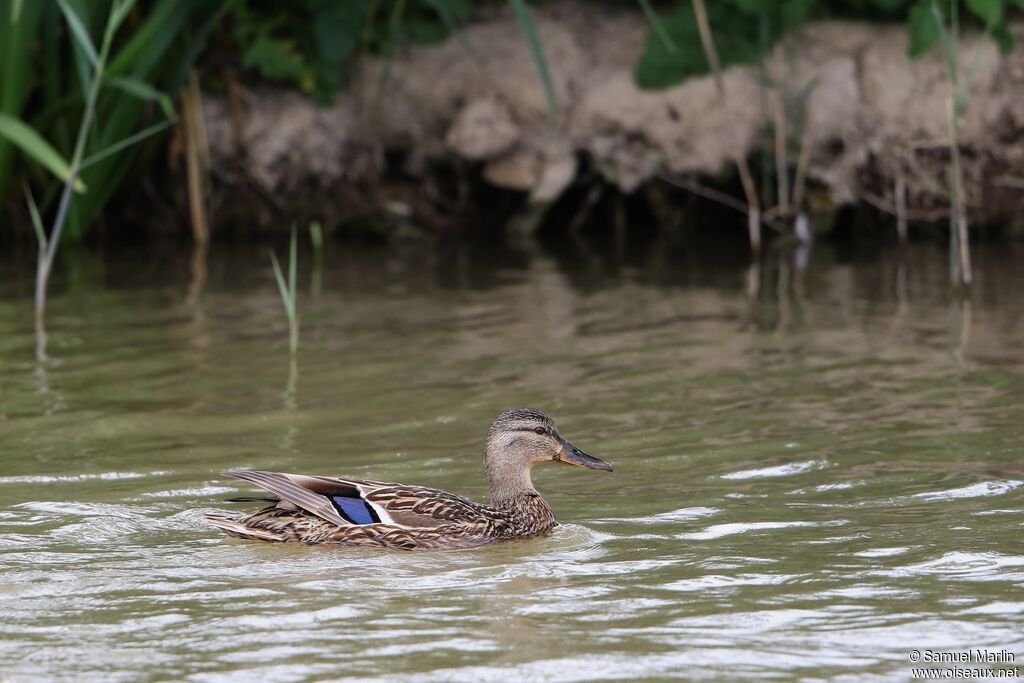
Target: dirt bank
{"x":870,"y":120}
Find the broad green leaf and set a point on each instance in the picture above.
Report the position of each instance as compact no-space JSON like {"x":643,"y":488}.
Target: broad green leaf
{"x":658,"y":27}
{"x":989,"y":11}
{"x":35,"y":146}
{"x":923,"y":30}
{"x":796,"y":12}
{"x":752,"y":7}
{"x":736,"y":40}
{"x":1003,"y":39}
{"x":80,"y":32}
{"x":144,"y":91}
{"x":889,"y":5}
{"x":275,"y":59}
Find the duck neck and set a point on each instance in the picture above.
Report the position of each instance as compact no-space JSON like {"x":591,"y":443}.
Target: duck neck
{"x":508,"y":481}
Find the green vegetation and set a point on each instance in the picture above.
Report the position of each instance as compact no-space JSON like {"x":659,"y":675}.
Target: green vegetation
{"x":288,"y":291}
{"x":746,"y":29}
{"x":53,"y":78}
{"x":95,"y":70}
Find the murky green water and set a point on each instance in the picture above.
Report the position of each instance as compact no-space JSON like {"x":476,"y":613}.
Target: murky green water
{"x":811,"y":480}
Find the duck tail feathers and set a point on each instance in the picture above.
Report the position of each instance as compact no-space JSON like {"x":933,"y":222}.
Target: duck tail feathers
{"x":235,"y":528}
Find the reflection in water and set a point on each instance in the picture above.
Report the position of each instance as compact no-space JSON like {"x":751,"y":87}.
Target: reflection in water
{"x":818,"y":465}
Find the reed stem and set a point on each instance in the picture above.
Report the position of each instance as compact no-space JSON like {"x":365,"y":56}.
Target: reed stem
{"x":287,"y":289}
{"x":746,"y":178}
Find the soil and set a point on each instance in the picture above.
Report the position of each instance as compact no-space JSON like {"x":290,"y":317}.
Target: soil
{"x":859,"y":118}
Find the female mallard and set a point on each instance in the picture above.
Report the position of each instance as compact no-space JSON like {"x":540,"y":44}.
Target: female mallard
{"x":361,"y":512}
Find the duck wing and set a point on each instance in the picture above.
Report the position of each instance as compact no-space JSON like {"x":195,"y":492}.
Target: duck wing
{"x":346,"y":501}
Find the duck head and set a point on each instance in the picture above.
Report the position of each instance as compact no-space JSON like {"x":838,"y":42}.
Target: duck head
{"x":519,"y":439}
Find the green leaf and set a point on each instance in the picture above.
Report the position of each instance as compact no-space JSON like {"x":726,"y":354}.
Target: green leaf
{"x":126,"y":143}
{"x":144,"y":91}
{"x":275,"y":59}
{"x":796,"y":12}
{"x":80,"y":32}
{"x":752,"y":7}
{"x":658,"y":27}
{"x":32,"y":143}
{"x":282,"y":287}
{"x":528,"y":28}
{"x":293,"y":264}
{"x":118,"y":13}
{"x":316,"y":236}
{"x":923,"y":30}
{"x":1003,"y":39}
{"x":989,"y":11}
{"x":37,"y":221}
{"x":736,"y":40}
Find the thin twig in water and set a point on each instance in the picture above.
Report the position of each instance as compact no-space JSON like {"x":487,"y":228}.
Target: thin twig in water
{"x":960,"y":245}
{"x":707,"y":40}
{"x":900,"y":190}
{"x":720,"y":197}
{"x":781,"y":164}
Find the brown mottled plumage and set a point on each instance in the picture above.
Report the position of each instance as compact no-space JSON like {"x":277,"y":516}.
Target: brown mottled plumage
{"x":363,"y":512}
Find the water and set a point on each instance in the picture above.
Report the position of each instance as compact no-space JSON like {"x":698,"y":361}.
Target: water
{"x":813,"y":476}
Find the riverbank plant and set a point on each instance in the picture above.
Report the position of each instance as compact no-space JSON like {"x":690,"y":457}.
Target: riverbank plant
{"x":310,"y":45}
{"x":287,"y":289}
{"x":96,"y":72}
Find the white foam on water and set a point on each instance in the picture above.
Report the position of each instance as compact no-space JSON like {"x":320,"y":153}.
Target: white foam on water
{"x":786,"y":470}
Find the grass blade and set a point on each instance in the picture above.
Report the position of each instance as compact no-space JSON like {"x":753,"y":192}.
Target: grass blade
{"x":287,"y":292}
{"x":292,"y":262}
{"x":80,"y":32}
{"x":530,"y":30}
{"x":144,"y":91}
{"x":127,"y":142}
{"x":34,"y":145}
{"x":316,"y":236}
{"x":17,"y":76}
{"x":282,"y":286}
{"x":118,"y":13}
{"x":37,"y":221}
{"x":659,"y":27}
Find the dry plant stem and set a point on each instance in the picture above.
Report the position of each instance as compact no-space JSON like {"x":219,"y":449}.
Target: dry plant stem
{"x":746,"y":178}
{"x":721,"y":197}
{"x":960,"y":255}
{"x":901,"y":205}
{"x":200,"y":123}
{"x":959,"y":207}
{"x":194,"y":140}
{"x":781,"y":164}
{"x":802,"y":161}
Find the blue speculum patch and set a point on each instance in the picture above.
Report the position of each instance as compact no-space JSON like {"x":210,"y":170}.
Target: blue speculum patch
{"x":355,"y":510}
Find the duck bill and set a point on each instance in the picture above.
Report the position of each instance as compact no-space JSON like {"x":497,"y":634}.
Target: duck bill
{"x":570,"y":455}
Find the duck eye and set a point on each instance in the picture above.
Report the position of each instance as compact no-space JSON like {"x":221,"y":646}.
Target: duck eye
{"x":540,"y":430}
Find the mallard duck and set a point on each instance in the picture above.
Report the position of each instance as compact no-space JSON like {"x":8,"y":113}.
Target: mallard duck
{"x":363,"y":512}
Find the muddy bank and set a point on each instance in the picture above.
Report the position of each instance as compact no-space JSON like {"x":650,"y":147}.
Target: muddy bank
{"x":869,"y":123}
